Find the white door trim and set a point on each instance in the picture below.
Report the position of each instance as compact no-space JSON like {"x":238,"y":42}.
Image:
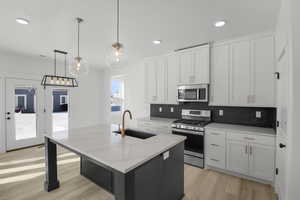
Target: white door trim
{"x":2,"y":119}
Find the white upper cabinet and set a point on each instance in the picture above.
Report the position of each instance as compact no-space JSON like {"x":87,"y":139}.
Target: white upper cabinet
{"x":186,"y":67}
{"x":172,"y":78}
{"x":219,"y":88}
{"x":263,"y":66}
{"x":155,"y":70}
{"x":240,"y":73}
{"x":194,"y":65}
{"x":201,"y":64}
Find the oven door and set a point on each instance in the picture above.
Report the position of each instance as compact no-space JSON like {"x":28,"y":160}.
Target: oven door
{"x":194,"y":143}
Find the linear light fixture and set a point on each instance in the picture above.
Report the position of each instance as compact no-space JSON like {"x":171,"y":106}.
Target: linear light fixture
{"x":59,"y":81}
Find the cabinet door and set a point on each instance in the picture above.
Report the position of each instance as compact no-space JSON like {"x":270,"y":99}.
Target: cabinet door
{"x":240,"y":73}
{"x":261,"y":161}
{"x":201,"y":64}
{"x":186,"y":67}
{"x":160,"y":78}
{"x":151,"y":83}
{"x":172,"y":78}
{"x":263,"y":67}
{"x":155,"y":80}
{"x":219,"y":75}
{"x":237,"y":156}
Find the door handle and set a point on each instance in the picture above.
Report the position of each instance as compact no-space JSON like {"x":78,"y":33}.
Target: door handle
{"x":282,"y":145}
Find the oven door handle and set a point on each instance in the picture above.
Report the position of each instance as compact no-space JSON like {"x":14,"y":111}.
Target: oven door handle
{"x":187,"y":131}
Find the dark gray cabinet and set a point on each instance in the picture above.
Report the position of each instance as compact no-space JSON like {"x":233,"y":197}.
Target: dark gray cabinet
{"x":160,"y":178}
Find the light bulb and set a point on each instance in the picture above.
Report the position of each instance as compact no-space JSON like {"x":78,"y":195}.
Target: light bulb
{"x":78,"y":67}
{"x":57,"y":81}
{"x":115,"y":54}
{"x":63,"y":81}
{"x":51,"y":81}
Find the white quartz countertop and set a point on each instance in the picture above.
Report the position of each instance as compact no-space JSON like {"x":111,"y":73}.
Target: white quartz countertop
{"x":120,"y":153}
{"x":244,"y":129}
{"x":157,"y":119}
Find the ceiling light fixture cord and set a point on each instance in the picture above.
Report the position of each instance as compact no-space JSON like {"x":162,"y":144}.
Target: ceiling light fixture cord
{"x":54,"y":63}
{"x":65,"y":64}
{"x":118,"y":21}
{"x":78,"y":21}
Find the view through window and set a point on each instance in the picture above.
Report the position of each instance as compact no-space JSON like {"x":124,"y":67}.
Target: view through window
{"x":117,"y":95}
{"x":60,"y":114}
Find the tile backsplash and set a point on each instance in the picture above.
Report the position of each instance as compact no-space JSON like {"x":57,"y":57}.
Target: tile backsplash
{"x":253,"y":116}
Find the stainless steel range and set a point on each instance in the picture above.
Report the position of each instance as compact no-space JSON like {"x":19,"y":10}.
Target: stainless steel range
{"x":192,"y":125}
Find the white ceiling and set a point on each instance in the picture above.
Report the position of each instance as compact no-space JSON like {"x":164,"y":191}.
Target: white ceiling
{"x":178,"y":23}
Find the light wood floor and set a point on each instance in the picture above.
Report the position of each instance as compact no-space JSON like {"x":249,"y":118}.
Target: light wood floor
{"x":22,"y":176}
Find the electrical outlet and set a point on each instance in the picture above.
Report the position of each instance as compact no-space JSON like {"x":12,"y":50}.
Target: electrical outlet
{"x":258,"y":114}
{"x":160,"y":109}
{"x":221,"y":112}
{"x":172,"y":109}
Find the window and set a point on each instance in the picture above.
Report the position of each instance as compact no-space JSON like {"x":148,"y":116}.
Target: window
{"x":63,"y":99}
{"x":117,"y":95}
{"x":21,"y":101}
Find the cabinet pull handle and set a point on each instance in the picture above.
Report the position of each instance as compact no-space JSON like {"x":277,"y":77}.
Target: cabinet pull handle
{"x":248,"y":138}
{"x":215,"y":145}
{"x":215,"y":160}
{"x":250,"y":150}
{"x":246,"y":149}
{"x":214,"y":133}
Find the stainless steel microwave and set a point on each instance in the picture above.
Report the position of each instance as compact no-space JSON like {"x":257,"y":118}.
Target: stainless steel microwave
{"x":193,"y":93}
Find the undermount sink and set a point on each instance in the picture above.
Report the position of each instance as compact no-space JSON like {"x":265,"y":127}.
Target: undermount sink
{"x":136,"y":134}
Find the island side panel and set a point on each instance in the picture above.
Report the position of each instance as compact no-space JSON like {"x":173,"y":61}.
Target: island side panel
{"x":51,"y":182}
{"x":97,"y":174}
{"x":161,"y":178}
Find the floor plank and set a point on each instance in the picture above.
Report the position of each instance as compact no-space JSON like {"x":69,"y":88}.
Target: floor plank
{"x":22,"y":177}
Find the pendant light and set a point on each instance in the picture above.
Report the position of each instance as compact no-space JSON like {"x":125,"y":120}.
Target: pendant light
{"x":59,"y":81}
{"x":116,"y":53}
{"x":78,"y":65}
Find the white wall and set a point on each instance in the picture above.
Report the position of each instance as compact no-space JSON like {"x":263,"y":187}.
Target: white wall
{"x":89,"y":103}
{"x":134,"y":76}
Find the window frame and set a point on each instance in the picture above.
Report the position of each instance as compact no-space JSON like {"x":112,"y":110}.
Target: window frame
{"x":25,"y":99}
{"x":61,"y":97}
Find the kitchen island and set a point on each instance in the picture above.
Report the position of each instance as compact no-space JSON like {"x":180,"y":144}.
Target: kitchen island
{"x":130,"y":168}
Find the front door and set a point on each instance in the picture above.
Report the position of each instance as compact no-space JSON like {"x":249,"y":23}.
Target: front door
{"x":24,"y":113}
{"x":282,"y":118}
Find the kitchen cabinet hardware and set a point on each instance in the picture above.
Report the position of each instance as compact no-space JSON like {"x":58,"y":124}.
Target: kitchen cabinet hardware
{"x":282,"y":145}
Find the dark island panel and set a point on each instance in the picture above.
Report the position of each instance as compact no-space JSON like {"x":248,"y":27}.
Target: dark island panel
{"x":161,"y":178}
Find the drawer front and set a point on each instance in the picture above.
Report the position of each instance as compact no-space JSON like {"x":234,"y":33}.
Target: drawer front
{"x":153,"y":127}
{"x":258,"y":139}
{"x":216,"y":156}
{"x":215,"y":138}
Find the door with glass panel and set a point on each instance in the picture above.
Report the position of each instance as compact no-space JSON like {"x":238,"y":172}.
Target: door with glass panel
{"x":24,"y":113}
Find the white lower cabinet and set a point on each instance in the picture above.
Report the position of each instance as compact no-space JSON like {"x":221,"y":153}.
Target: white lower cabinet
{"x":237,"y":157}
{"x":250,"y":154}
{"x":261,"y":161}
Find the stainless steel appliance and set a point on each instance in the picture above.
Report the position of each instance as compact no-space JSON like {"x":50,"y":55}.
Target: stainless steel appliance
{"x":193,"y":93}
{"x":192,"y":125}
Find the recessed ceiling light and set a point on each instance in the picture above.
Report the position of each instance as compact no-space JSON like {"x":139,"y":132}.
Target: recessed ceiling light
{"x":156,"y":41}
{"x":22,"y":21}
{"x":220,"y":23}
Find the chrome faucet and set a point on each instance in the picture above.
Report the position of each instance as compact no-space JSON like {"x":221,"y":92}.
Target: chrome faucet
{"x":123,"y":121}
